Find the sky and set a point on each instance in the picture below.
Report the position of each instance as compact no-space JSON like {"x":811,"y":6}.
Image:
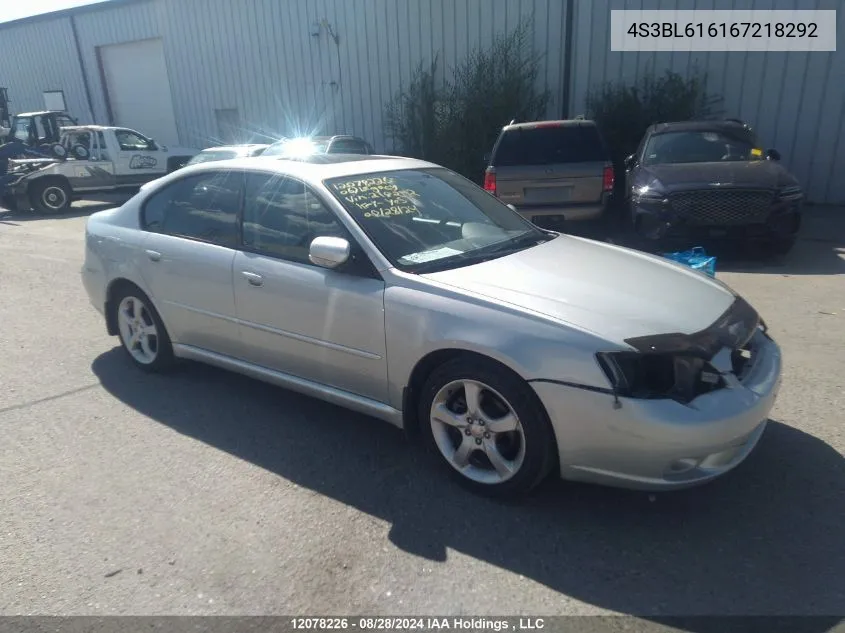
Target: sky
{"x":21,"y":9}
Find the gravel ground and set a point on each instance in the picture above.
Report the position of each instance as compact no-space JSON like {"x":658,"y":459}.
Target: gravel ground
{"x":207,"y":493}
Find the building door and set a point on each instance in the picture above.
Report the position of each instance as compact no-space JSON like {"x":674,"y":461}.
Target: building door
{"x":138,"y":89}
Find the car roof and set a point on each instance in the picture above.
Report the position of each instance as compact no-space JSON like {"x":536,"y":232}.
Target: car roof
{"x":693,"y":126}
{"x":42,"y":112}
{"x":322,"y":139}
{"x":530,"y":125}
{"x":315,"y":169}
{"x":100,"y":128}
{"x":242,"y":146}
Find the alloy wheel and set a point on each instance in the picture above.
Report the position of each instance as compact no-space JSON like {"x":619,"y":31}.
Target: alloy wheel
{"x":477,"y":431}
{"x":138,"y":330}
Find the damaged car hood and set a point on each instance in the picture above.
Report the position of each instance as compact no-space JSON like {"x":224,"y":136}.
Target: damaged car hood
{"x":613,"y":292}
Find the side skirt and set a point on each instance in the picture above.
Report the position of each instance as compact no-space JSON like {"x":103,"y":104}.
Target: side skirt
{"x":339,"y":397}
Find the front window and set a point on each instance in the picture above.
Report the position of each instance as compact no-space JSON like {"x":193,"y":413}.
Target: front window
{"x":207,"y":157}
{"x":700,"y":146}
{"x":432,"y":219}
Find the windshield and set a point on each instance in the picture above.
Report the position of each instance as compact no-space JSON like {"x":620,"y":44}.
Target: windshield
{"x":700,"y":146}
{"x":206,"y":157}
{"x":432,"y":219}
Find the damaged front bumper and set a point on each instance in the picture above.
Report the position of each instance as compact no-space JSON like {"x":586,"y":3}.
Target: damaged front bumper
{"x":662,"y":444}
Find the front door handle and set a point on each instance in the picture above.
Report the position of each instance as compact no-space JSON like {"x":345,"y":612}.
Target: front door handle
{"x":253,"y":278}
{"x":154,"y":255}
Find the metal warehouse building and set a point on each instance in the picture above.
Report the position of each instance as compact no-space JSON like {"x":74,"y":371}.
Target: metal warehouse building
{"x":191,"y":71}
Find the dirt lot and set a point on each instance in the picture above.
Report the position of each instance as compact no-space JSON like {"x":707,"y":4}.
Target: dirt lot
{"x":208,"y":493}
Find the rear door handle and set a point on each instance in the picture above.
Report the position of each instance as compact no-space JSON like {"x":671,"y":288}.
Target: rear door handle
{"x":154,"y":255}
{"x":253,"y":278}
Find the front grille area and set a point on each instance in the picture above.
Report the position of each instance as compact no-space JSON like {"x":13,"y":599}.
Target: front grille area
{"x":722,"y":207}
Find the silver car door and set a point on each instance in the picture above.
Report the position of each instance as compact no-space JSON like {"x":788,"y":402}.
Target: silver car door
{"x":188,"y":256}
{"x":322,"y":325}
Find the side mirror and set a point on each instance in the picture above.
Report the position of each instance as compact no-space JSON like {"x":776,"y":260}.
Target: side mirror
{"x":329,"y":252}
{"x":151,"y":144}
{"x":773,"y":154}
{"x":630,"y":161}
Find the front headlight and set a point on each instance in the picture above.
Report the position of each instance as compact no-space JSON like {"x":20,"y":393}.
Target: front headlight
{"x":790,"y":193}
{"x":649,"y":196}
{"x":679,"y":377}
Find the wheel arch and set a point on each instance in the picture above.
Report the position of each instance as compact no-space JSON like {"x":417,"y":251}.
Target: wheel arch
{"x":429,"y":363}
{"x":114,"y":287}
{"x":47,"y":179}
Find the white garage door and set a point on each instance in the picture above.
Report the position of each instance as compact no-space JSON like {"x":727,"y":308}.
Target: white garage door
{"x":139,"y":89}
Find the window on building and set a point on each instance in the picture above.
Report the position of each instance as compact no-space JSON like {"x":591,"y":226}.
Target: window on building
{"x":228,"y":125}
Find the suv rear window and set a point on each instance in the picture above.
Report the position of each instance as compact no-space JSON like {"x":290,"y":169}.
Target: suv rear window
{"x":549,"y":146}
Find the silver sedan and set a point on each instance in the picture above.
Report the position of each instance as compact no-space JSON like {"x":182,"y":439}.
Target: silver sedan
{"x":399,"y":289}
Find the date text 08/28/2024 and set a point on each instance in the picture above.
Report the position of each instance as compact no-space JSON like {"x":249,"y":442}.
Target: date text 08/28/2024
{"x":429,"y":623}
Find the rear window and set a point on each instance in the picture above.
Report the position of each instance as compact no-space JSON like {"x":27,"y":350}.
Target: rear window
{"x":549,"y":146}
{"x":349,"y":146}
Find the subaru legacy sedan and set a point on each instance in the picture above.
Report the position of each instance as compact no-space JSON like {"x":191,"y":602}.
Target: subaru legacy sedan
{"x":397,"y":288}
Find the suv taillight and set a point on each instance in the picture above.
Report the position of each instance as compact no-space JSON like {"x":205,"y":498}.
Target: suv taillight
{"x":490,"y":180}
{"x":607,"y":178}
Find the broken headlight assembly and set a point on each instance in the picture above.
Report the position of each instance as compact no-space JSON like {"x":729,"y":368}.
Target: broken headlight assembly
{"x":676,"y":376}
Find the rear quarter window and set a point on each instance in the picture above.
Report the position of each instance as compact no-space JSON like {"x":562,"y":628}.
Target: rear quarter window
{"x":549,"y":146}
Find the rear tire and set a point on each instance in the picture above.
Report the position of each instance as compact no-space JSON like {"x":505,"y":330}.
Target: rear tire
{"x":141,"y":331}
{"x":487,"y":427}
{"x":50,"y":197}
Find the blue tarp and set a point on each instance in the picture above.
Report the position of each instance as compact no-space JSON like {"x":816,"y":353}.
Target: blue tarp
{"x":696,"y":258}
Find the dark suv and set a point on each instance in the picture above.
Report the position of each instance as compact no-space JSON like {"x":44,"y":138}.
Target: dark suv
{"x":552,"y":170}
{"x":711,"y":179}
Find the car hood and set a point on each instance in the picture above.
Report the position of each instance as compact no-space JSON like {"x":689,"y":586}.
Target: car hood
{"x":613,"y":292}
{"x":764,"y":174}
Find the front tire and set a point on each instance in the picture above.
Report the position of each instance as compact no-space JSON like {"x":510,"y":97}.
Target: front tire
{"x":141,"y":331}
{"x":487,"y":427}
{"x":50,"y":197}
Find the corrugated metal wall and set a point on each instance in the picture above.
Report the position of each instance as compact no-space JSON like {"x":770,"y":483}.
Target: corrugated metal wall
{"x":260,"y":57}
{"x":795,"y":101}
{"x":40,"y":56}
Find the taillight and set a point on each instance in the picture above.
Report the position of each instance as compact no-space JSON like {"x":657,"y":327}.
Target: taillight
{"x":490,"y":181}
{"x":607,"y":178}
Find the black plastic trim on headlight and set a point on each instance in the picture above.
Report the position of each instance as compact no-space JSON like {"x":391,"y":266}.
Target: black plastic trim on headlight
{"x":732,"y":329}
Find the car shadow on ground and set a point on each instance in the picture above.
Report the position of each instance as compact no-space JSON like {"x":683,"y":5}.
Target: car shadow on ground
{"x":92,"y":204}
{"x":765,"y":539}
{"x":820,"y":249}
